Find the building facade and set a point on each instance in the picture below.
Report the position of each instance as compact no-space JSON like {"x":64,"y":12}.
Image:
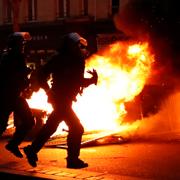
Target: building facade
{"x":47,"y":20}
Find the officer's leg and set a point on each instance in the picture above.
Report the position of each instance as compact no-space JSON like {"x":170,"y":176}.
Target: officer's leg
{"x":46,"y":131}
{"x":42,"y":137}
{"x":24,"y":121}
{"x":76,"y":131}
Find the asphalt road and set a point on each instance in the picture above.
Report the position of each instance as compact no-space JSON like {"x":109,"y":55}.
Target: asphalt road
{"x":137,"y":159}
{"x":154,"y":160}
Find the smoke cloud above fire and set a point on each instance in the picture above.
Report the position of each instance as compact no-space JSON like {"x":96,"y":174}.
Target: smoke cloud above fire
{"x":158,"y":22}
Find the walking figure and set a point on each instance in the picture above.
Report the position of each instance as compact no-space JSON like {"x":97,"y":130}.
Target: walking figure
{"x":14,"y":80}
{"x":67,"y":69}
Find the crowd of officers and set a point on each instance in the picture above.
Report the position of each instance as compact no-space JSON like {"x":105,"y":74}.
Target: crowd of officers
{"x":66,"y":68}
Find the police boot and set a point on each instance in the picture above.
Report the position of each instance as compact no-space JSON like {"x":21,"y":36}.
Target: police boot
{"x":31,"y":156}
{"x":14,"y":149}
{"x":76,"y":163}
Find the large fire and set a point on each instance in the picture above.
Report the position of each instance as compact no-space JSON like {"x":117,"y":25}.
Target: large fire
{"x":123,"y":69}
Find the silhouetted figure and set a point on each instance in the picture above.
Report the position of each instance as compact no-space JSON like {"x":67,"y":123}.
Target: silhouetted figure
{"x":13,"y":80}
{"x":67,"y":69}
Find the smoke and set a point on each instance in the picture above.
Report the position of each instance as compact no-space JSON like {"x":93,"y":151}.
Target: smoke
{"x":158,"y":22}
{"x":165,"y":124}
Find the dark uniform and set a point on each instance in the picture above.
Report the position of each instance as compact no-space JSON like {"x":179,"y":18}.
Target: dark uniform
{"x":13,"y":80}
{"x":67,"y":68}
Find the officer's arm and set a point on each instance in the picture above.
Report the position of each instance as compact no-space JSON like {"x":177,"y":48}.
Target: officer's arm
{"x":92,"y":80}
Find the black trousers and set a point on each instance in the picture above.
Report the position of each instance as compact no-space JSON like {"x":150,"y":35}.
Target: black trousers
{"x":62,"y":112}
{"x":23,"y":118}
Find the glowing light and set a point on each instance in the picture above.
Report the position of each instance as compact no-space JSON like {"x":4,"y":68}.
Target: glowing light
{"x":123,"y":70}
{"x":39,"y":101}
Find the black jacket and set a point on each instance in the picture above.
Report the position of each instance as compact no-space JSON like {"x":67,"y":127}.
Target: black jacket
{"x":13,"y":73}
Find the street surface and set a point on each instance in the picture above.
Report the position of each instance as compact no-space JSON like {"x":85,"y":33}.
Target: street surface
{"x":139,"y":159}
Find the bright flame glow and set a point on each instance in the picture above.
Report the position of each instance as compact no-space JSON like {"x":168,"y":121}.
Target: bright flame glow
{"x":39,"y":101}
{"x":123,"y":70}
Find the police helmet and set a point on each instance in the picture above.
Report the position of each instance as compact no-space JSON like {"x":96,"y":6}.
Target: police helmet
{"x":18,"y":38}
{"x":76,"y":38}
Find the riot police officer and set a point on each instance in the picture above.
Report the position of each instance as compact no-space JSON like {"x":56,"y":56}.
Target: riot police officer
{"x":13,"y":80}
{"x":67,"y":69}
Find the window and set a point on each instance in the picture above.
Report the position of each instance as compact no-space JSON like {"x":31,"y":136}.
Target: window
{"x":63,"y":8}
{"x":115,"y":6}
{"x":67,"y":6}
{"x":85,"y":8}
{"x":32,"y":10}
{"x":8,"y":11}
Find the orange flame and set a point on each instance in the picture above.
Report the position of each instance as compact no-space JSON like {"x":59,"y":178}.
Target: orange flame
{"x":123,"y":70}
{"x":39,"y":101}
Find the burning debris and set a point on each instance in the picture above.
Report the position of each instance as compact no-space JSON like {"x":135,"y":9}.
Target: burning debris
{"x":93,"y":138}
{"x":124,"y":69}
{"x":135,"y":76}
{"x":158,"y":22}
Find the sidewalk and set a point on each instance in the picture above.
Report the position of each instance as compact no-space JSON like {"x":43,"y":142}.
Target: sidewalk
{"x":12,"y":167}
{"x":44,"y":172}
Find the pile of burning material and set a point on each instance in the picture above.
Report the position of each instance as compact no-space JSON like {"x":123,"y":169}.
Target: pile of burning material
{"x":123,"y":69}
{"x":130,"y":87}
{"x":92,"y":138}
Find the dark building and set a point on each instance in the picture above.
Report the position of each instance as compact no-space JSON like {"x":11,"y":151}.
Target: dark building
{"x":47,"y":20}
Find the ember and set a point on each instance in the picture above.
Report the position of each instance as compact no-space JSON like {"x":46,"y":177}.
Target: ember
{"x":123,"y":70}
